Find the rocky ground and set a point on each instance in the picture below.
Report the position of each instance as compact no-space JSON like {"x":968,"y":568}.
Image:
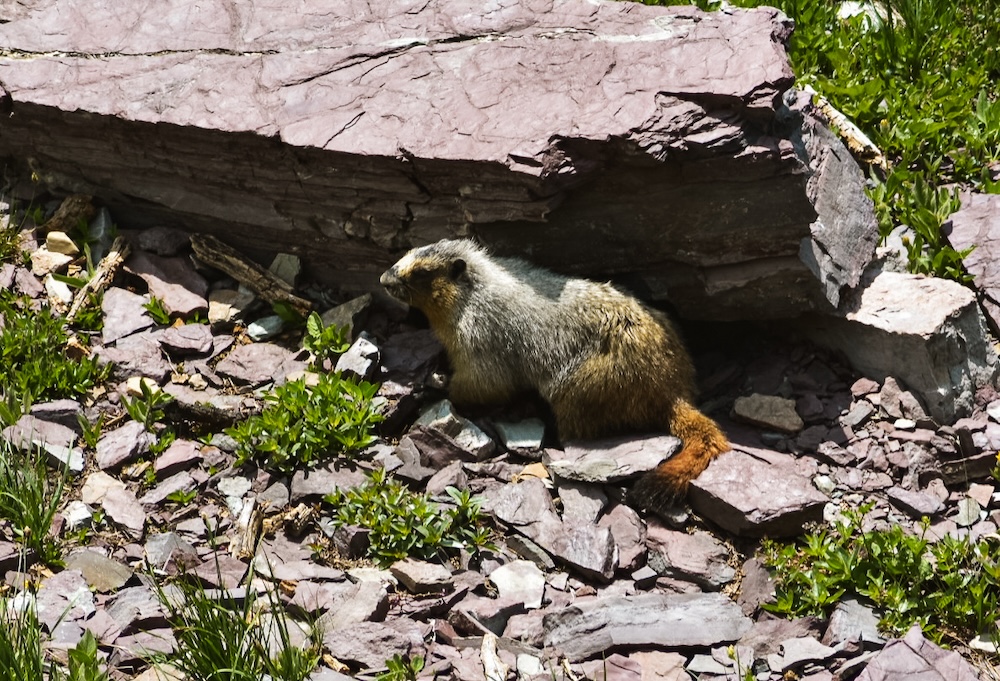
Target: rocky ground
{"x":581,"y":584}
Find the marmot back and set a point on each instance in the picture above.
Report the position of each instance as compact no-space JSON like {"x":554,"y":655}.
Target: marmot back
{"x":605,"y":362}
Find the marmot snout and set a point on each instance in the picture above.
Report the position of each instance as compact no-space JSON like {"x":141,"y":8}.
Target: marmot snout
{"x":605,"y":362}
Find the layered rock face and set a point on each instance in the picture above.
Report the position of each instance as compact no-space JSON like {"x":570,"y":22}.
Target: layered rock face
{"x":613,"y":140}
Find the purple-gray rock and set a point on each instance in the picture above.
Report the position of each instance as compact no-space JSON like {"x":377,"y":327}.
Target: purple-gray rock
{"x":420,"y":577}
{"x":259,"y":363}
{"x":122,"y":507}
{"x":124,"y":314}
{"x":592,"y":626}
{"x":123,"y":445}
{"x":521,"y":503}
{"x":364,"y":602}
{"x":64,"y":412}
{"x":915,"y":504}
{"x":168,"y":549}
{"x":914,"y":657}
{"x":189,"y":339}
{"x":629,"y":533}
{"x":163,"y":241}
{"x":977,"y":224}
{"x":611,"y":460}
{"x":520,"y":580}
{"x":63,"y":597}
{"x":755,"y":496}
{"x":696,"y":557}
{"x":321,"y":481}
{"x":57,"y":441}
{"x":181,"y":290}
{"x":685,"y":101}
{"x":102,"y":574}
{"x":768,"y":411}
{"x":181,"y":455}
{"x":852,"y":621}
{"x":477,"y":615}
{"x":361,"y":359}
{"x":180,"y":482}
{"x":137,"y":355}
{"x":370,"y":644}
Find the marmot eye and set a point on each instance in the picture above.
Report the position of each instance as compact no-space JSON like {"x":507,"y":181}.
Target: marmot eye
{"x":457,"y":269}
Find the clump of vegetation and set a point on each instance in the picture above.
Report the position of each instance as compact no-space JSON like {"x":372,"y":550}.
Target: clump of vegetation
{"x":950,"y":588}
{"x":303,"y":425}
{"x":21,"y":653}
{"x":324,"y":342}
{"x":918,"y":78}
{"x":230,"y":639}
{"x":34,"y":365}
{"x":29,"y":500}
{"x":399,"y":668}
{"x":405,"y":524}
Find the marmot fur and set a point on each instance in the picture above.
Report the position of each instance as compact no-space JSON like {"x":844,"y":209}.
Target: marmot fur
{"x":605,"y":362}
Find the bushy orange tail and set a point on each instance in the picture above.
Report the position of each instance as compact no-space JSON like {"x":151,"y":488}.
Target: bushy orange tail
{"x":703,"y":441}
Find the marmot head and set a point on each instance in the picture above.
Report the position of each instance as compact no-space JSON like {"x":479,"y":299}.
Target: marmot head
{"x":432,"y":278}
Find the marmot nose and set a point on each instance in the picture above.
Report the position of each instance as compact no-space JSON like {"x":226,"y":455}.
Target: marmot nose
{"x":389,"y":277}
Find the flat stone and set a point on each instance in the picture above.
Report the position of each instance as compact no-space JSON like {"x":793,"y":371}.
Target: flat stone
{"x":520,"y":580}
{"x":610,"y":460}
{"x":925,"y":331}
{"x":696,"y":557}
{"x":419,"y":577}
{"x":59,"y":242}
{"x":55,"y":440}
{"x":181,"y":455}
{"x":319,"y":482}
{"x":476,"y":615}
{"x":265,"y":327}
{"x":138,"y":354}
{"x":796,"y":652}
{"x":63,"y":596}
{"x":756,"y":496}
{"x":915,"y":504}
{"x":96,"y":486}
{"x":65,"y":412}
{"x":259,"y":363}
{"x":348,"y":316}
{"x":44,"y":261}
{"x":179,"y":482}
{"x":852,"y":621}
{"x":122,"y":507}
{"x":123,"y":445}
{"x":592,"y":626}
{"x":169,"y":549}
{"x":180,"y":288}
{"x":370,"y":644}
{"x":913,"y":656}
{"x":361,"y":359}
{"x":124,"y":314}
{"x":225,"y":306}
{"x":365,"y":602}
{"x":103,"y":574}
{"x":526,"y":434}
{"x":768,"y":411}
{"x":441,"y":416}
{"x":189,"y":339}
{"x":968,"y":512}
{"x":521,"y":503}
{"x":629,"y":533}
{"x":588,"y":549}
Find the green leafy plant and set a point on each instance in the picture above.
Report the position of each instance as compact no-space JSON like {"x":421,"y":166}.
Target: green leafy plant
{"x":21,"y":655}
{"x":324,"y":342}
{"x":33,"y":361}
{"x":230,"y":639}
{"x":951,"y":587}
{"x":29,"y":499}
{"x":84,"y":664}
{"x":402,"y":523}
{"x":303,"y":425}
{"x":398,"y":668}
{"x":90,"y":317}
{"x":183,"y":497}
{"x":164,"y":438}
{"x":91,"y":431}
{"x":157,"y":311}
{"x":147,"y":408}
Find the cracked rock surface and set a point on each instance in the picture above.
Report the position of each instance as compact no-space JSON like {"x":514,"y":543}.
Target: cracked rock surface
{"x":605,"y":139}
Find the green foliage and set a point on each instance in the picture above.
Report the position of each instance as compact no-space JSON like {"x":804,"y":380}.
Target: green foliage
{"x":918,"y":78}
{"x":84,"y":664}
{"x":182,"y":497}
{"x":225,"y":639}
{"x":157,"y":311}
{"x":324,"y":342}
{"x":10,"y":240}
{"x":399,"y":669}
{"x":20,"y":643}
{"x":29,"y":499}
{"x":304,"y":425}
{"x":147,"y":408}
{"x":402,"y":523}
{"x":33,"y":361}
{"x":90,"y":317}
{"x":949,"y":587}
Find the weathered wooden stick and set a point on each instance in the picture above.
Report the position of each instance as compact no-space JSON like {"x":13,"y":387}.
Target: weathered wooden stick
{"x":103,"y":275}
{"x":213,"y":252}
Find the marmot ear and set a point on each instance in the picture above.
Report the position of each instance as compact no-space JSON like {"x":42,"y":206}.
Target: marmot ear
{"x":457,"y":269}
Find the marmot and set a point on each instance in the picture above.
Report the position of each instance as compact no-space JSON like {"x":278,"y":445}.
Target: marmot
{"x":605,"y":362}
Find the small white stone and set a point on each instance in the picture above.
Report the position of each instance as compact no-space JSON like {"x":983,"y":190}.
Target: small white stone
{"x":59,"y":292}
{"x":904,"y":424}
{"x":265,"y":327}
{"x":133,"y":386}
{"x":77,"y":514}
{"x":59,"y":242}
{"x":286,"y":267}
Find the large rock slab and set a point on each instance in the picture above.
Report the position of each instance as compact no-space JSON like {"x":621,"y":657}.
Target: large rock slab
{"x":914,"y":657}
{"x":928,"y":333}
{"x":615,"y":124}
{"x":756,"y":495}
{"x":977,"y":224}
{"x":602,"y":625}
